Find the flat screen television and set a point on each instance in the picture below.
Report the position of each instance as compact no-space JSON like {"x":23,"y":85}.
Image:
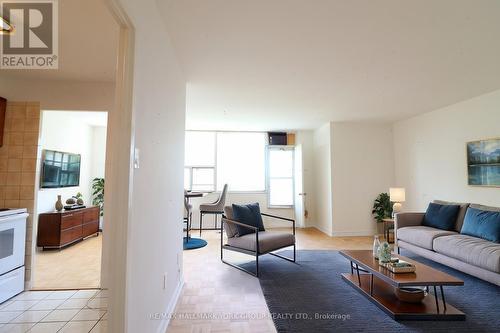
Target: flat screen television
{"x":59,"y":169}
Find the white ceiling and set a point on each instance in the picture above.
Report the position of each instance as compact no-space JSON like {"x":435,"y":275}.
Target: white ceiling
{"x":295,"y":64}
{"x":88,"y":42}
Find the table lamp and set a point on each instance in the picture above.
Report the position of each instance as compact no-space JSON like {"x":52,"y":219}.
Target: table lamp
{"x":397,"y":195}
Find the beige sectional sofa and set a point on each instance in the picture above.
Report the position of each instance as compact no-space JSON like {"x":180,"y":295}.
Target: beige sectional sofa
{"x":471,"y":255}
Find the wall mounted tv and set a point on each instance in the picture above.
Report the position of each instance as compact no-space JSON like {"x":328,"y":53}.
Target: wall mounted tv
{"x":59,"y":169}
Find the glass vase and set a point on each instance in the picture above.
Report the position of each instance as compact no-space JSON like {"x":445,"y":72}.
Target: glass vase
{"x":376,"y":246}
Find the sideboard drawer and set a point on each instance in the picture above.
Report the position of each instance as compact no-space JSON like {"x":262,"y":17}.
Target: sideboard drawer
{"x":90,"y":228}
{"x":92,"y":215}
{"x":71,"y":235}
{"x":71,"y":220}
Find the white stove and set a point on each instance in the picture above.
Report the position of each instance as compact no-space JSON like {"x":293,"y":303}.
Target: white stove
{"x":12,"y":245}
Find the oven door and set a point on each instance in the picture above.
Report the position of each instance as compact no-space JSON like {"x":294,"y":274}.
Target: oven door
{"x":12,"y":242}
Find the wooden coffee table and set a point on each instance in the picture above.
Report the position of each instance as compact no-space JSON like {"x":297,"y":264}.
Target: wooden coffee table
{"x":378,"y":283}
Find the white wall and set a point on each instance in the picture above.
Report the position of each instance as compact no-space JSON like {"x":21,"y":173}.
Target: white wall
{"x":60,"y":94}
{"x":322,"y":179}
{"x":153,"y":237}
{"x":430,"y":152}
{"x":65,"y":131}
{"x":98,"y":151}
{"x":362,"y":167}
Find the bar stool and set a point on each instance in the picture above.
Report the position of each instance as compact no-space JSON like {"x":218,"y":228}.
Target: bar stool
{"x":214,"y":208}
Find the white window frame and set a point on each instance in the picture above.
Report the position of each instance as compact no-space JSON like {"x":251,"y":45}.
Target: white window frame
{"x":268,"y":176}
{"x":190,"y":168}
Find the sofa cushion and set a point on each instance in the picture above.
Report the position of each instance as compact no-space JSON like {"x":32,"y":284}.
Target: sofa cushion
{"x":461,"y":212}
{"x":472,"y":250}
{"x":249,"y":215}
{"x":441,"y":216}
{"x":268,"y":241}
{"x":421,"y":235}
{"x":483,"y":207}
{"x":483,"y":224}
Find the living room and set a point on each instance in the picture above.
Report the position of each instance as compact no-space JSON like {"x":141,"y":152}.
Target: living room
{"x":372,"y":97}
{"x":405,"y":154}
{"x":385,"y":141}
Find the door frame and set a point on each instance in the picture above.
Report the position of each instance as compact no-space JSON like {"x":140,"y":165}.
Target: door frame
{"x":119,"y":174}
{"x":34,"y":231}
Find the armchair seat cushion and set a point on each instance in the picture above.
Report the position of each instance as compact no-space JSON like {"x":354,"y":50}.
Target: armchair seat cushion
{"x":472,"y":250}
{"x":421,"y":235}
{"x":268,"y":241}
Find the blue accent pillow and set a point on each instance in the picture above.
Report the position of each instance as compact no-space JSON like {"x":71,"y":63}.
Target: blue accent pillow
{"x":483,"y":224}
{"x":249,"y":215}
{"x":441,"y":216}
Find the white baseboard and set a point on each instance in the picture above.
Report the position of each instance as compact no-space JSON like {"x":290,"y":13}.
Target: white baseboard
{"x":171,"y":306}
{"x":321,"y":229}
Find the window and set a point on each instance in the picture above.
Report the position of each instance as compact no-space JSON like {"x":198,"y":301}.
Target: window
{"x":241,"y":161}
{"x":280,"y":168}
{"x":202,"y":179}
{"x":213,"y":159}
{"x":187,"y":178}
{"x":200,"y":149}
{"x":199,"y":161}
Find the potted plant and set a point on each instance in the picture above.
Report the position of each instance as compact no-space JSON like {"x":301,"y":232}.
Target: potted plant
{"x":382,"y":207}
{"x":98,"y":195}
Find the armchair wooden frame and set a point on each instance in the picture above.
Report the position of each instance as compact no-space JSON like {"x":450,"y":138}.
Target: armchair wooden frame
{"x":255,"y":253}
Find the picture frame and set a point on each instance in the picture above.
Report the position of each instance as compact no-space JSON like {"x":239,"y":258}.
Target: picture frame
{"x":483,"y":162}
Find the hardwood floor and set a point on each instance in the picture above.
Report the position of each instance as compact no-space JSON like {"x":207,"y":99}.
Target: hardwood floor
{"x":215,"y":297}
{"x":219,"y":298}
{"x":75,"y":267}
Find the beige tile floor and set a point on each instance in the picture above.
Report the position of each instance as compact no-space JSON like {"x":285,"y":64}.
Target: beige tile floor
{"x":64,"y":311}
{"x":233,"y":298}
{"x":75,"y":267}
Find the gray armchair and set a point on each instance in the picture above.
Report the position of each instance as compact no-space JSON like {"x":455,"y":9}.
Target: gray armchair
{"x":256,"y":243}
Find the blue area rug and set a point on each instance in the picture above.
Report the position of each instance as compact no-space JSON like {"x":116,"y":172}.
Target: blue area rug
{"x":193,"y":243}
{"x":313,"y":287}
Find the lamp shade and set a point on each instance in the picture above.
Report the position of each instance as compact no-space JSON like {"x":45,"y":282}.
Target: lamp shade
{"x":397,"y":194}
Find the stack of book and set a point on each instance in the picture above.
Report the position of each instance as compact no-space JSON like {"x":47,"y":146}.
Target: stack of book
{"x":398,"y":266}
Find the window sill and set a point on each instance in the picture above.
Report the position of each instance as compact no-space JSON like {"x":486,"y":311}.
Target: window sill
{"x":280,"y":207}
{"x":232,"y":192}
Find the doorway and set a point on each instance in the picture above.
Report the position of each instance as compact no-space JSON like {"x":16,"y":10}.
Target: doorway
{"x":72,"y":153}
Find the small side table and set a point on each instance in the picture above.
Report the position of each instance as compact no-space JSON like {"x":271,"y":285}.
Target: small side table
{"x":388,"y":225}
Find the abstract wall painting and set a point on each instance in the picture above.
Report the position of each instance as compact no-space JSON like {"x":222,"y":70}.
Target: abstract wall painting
{"x":483,"y":162}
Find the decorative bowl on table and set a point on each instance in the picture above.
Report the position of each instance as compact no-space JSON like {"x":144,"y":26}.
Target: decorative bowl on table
{"x":410,"y":294}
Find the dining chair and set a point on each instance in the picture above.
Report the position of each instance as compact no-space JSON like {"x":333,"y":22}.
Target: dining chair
{"x":189,"y":216}
{"x":215,"y":208}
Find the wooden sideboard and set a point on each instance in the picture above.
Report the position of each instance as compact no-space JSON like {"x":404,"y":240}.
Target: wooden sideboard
{"x":59,"y":229}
